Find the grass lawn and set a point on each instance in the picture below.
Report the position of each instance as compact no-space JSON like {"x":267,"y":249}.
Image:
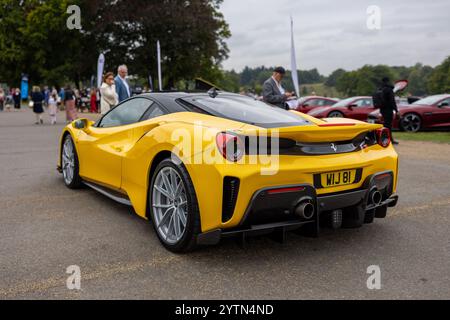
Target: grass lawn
{"x":320,"y":89}
{"x":440,"y":137}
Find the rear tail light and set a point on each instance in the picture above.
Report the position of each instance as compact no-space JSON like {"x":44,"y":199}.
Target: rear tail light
{"x":383,"y":137}
{"x":230,"y":146}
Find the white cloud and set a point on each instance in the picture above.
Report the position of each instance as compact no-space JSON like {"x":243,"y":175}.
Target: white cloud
{"x":333,"y":34}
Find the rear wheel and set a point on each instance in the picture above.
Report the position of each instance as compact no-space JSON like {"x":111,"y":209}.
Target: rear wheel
{"x":411,"y":122}
{"x":336,"y":114}
{"x":174,"y":208}
{"x":353,"y":217}
{"x":70,"y":165}
{"x":370,"y":216}
{"x":381,"y":212}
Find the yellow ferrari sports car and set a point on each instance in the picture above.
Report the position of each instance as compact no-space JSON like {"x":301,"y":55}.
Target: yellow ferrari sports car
{"x":203,"y":166}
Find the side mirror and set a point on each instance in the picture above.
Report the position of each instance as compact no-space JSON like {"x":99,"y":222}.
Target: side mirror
{"x":350,"y":107}
{"x":81,"y":124}
{"x":443,"y":105}
{"x":305,"y":105}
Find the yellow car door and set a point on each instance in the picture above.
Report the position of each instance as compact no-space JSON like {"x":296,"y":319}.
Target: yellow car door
{"x":103,"y":147}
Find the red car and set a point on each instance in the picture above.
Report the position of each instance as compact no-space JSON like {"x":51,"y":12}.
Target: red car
{"x":306,"y":104}
{"x":357,"y":108}
{"x":429,"y":113}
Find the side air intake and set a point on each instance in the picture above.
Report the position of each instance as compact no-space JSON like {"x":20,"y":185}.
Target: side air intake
{"x":230,"y":195}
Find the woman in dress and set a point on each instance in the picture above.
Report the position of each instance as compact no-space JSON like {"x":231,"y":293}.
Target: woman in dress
{"x":53,"y":106}
{"x":93,"y":101}
{"x":38,"y":99}
{"x":108,"y":92}
{"x":69,"y":101}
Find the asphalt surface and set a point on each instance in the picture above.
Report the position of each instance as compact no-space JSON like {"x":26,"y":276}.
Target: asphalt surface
{"x":45,"y":228}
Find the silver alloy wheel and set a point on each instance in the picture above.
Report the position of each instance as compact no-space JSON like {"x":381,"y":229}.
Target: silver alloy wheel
{"x":411,"y":122}
{"x":68,"y":161}
{"x":336,"y":114}
{"x":169,"y":203}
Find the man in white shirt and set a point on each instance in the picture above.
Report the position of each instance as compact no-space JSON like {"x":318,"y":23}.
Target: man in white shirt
{"x":122,"y":85}
{"x":273,"y":91}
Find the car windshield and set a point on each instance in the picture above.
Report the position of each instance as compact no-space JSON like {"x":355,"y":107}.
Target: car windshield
{"x":429,"y":100}
{"x":249,"y":111}
{"x":344,"y":103}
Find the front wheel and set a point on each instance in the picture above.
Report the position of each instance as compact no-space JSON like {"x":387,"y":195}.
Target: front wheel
{"x":70,"y":165}
{"x":174,"y":208}
{"x":411,"y":122}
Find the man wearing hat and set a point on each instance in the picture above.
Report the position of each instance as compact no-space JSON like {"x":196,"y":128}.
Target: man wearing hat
{"x":273,"y":92}
{"x":389,"y":106}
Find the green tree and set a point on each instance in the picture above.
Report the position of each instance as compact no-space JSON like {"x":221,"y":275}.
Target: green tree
{"x":192,"y":36}
{"x":334,"y":76}
{"x":34,"y":39}
{"x":363,"y":81}
{"x":230,"y":81}
{"x":418,"y":79}
{"x":439,"y":81}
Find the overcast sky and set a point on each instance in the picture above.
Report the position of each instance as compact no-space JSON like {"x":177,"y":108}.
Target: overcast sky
{"x":331,"y":34}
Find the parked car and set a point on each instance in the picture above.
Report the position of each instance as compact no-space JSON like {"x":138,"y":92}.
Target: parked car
{"x":339,"y":172}
{"x":357,"y":108}
{"x":428,"y":113}
{"x":306,"y":104}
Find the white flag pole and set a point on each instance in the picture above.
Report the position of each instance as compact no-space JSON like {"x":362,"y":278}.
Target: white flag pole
{"x":100,"y":67}
{"x":294,"y":61}
{"x":159,"y":66}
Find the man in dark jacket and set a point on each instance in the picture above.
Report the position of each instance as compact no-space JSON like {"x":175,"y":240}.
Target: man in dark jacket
{"x":273,"y":92}
{"x":389,"y":105}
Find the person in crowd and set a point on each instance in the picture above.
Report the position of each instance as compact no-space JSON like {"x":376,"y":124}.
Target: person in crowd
{"x":9,"y":101}
{"x":17,"y":98}
{"x":388,"y":107}
{"x":273,"y":91}
{"x":53,"y":106}
{"x":98,"y":98}
{"x":93,"y":100}
{"x":108,"y":91}
{"x":61,"y":95}
{"x":69,"y":102}
{"x":76,"y":94}
{"x":2,"y":99}
{"x":122,"y":86}
{"x":46,"y":93}
{"x":38,"y":99}
{"x":85,"y":98}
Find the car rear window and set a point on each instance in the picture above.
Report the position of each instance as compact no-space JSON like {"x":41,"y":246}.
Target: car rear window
{"x":247,"y":110}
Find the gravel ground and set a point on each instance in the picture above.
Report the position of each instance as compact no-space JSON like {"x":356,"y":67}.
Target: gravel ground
{"x":44,"y":228}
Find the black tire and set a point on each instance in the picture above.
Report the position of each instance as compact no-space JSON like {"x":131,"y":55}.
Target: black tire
{"x":76,"y":182}
{"x":188,"y":242}
{"x":370,"y":217}
{"x":411,"y":122}
{"x":336,"y":114}
{"x":381,"y":212}
{"x":353,"y":217}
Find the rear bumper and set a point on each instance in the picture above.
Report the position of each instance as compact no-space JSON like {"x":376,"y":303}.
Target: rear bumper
{"x":274,"y":210}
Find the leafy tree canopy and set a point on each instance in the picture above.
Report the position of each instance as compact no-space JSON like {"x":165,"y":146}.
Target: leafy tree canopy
{"x":34,"y":39}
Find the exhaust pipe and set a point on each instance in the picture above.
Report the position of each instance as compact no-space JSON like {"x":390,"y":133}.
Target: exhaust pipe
{"x":376,"y":197}
{"x":305,"y":210}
